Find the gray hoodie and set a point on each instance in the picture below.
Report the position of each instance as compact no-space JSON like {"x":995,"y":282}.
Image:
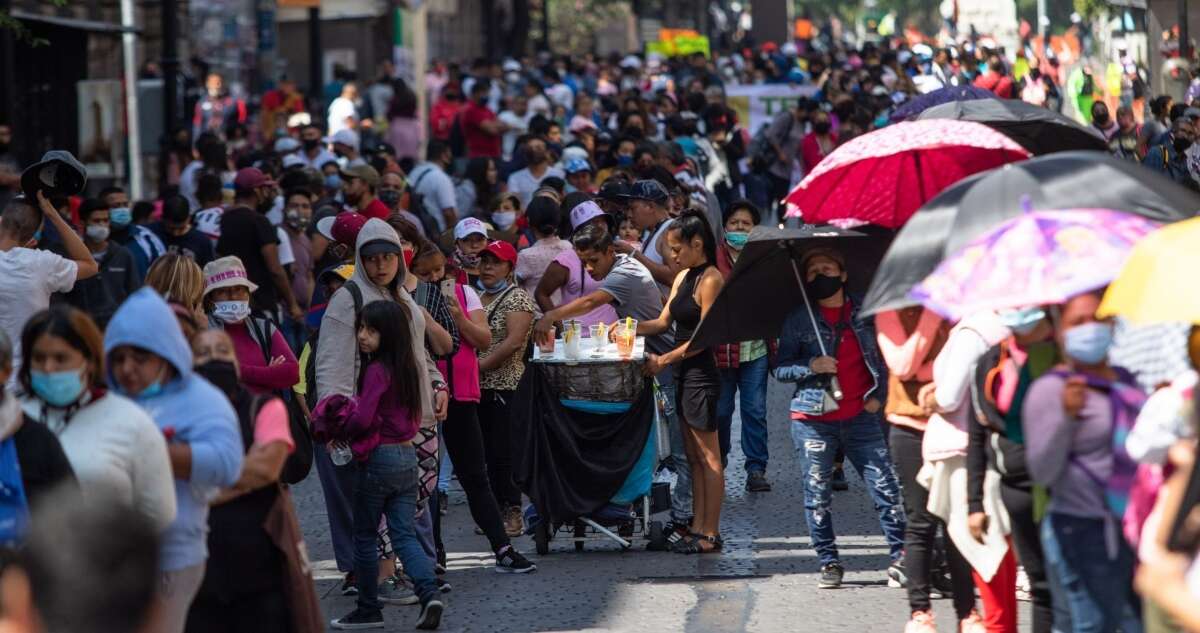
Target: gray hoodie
{"x":337,"y":353}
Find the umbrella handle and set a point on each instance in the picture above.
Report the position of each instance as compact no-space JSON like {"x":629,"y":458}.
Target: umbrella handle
{"x":834,"y":385}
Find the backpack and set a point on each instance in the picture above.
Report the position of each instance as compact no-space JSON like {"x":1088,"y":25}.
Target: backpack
{"x":761,"y":154}
{"x":14,"y":506}
{"x":310,"y":369}
{"x":299,"y":462}
{"x":458,"y":137}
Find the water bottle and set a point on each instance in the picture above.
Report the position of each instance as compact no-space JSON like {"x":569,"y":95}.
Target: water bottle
{"x":340,"y":453}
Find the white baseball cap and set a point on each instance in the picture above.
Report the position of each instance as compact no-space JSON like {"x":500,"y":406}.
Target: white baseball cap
{"x":286,"y":145}
{"x":585,"y":212}
{"x":467,"y":227}
{"x":346,"y":137}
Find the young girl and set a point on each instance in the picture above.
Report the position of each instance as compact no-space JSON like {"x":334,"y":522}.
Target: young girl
{"x":629,"y":233}
{"x":389,"y":412}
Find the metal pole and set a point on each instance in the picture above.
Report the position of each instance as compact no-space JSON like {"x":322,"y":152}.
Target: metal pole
{"x":170,"y":69}
{"x":420,"y":52}
{"x":314,"y":58}
{"x":1185,"y":41}
{"x":1042,"y":27}
{"x":133,"y":122}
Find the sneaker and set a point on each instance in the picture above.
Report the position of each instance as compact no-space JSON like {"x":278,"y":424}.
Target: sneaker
{"x":972,"y":624}
{"x":831,"y":576}
{"x":1023,"y":593}
{"x":757,"y":482}
{"x":940,"y":586}
{"x":675,"y":530}
{"x":431,"y":615}
{"x":510,"y":561}
{"x":514,"y":523}
{"x":897,"y":579}
{"x":349,"y":585}
{"x":920,"y":622}
{"x":839,"y":482}
{"x":443,"y":585}
{"x":358,"y":619}
{"x":395,"y":590}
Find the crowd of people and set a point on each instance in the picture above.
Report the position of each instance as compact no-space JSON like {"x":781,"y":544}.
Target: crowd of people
{"x":331,"y":297}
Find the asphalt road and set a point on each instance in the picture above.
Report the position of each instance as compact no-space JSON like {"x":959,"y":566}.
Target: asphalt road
{"x":764,"y":581}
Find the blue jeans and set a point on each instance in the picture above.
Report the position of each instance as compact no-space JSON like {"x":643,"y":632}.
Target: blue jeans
{"x":387,"y":487}
{"x":863,"y":443}
{"x":1090,"y":593}
{"x":445,"y":468}
{"x":681,"y":494}
{"x":748,"y":380}
{"x":337,"y":486}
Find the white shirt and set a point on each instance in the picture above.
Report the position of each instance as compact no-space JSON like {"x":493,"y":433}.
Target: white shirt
{"x":187,"y":182}
{"x":208,"y":222}
{"x":286,"y":256}
{"x":561,"y":94}
{"x":539,"y":104}
{"x":519,"y":125}
{"x":323,"y":156}
{"x":340,"y":110}
{"x":523,"y":183}
{"x":117,"y":452}
{"x":27,"y":279}
{"x":436,"y":191}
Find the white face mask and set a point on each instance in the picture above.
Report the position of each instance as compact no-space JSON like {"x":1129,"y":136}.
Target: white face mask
{"x":231,"y":311}
{"x":96,"y":232}
{"x":504,"y":219}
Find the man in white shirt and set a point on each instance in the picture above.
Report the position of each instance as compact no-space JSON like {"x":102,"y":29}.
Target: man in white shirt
{"x":343,"y":113}
{"x":525,"y":182}
{"x":517,"y":119}
{"x":429,"y":180}
{"x":313,"y":152}
{"x":29,"y":276}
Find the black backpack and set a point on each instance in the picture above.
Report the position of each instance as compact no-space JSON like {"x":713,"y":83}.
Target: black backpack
{"x":458,"y":137}
{"x":416,"y":205}
{"x":300,"y":461}
{"x":310,"y":370}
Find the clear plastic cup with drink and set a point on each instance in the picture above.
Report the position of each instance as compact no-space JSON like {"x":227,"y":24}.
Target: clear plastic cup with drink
{"x":599,"y":334}
{"x":625,"y":335}
{"x":572,"y":332}
{"x":340,"y":453}
{"x":546,"y":344}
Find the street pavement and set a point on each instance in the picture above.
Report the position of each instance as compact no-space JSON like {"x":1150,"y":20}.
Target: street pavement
{"x":764,"y":581}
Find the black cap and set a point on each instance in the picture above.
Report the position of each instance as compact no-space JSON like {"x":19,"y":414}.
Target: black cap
{"x":651,"y":190}
{"x":614,"y":191}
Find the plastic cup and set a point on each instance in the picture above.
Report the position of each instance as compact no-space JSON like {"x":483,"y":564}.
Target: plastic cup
{"x":546,"y":343}
{"x":599,"y":334}
{"x":625,"y":337}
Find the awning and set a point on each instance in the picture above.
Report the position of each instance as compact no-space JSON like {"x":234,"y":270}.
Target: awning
{"x":73,"y":23}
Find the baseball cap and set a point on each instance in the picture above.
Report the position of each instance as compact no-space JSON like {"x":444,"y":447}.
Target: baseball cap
{"x":613,"y":190}
{"x":585,"y":212}
{"x":576,"y":165}
{"x":226,"y":272}
{"x":286,"y":144}
{"x":362,"y":172}
{"x":343,"y":272}
{"x":651,"y":190}
{"x":1192,"y":113}
{"x":349,"y":138}
{"x":292,"y":160}
{"x":467,"y":227}
{"x":580,"y":124}
{"x":249,"y":178}
{"x":502,"y":251}
{"x":379,"y":247}
{"x":343,"y":227}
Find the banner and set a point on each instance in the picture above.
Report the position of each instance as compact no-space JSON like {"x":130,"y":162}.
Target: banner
{"x":756,"y":106}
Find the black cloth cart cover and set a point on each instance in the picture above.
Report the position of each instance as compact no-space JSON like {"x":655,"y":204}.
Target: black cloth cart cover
{"x":570,"y":463}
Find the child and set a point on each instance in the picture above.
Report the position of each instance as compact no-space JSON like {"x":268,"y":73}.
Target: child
{"x":627,"y":232}
{"x":389,"y":411}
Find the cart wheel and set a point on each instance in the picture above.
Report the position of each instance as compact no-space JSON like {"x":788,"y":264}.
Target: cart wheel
{"x":541,"y":537}
{"x":580,"y":532}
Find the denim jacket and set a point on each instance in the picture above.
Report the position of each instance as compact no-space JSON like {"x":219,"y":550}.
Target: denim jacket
{"x":798,"y":347}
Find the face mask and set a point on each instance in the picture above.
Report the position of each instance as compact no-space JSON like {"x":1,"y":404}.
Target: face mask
{"x":624,"y":161}
{"x":297,"y":221}
{"x":467,"y":261}
{"x":311,"y":143}
{"x":1088,"y":343}
{"x":59,"y":388}
{"x":1023,"y":320}
{"x":390,"y":197}
{"x":1181,"y":144}
{"x":822,"y":127}
{"x":120,"y":216}
{"x":824,"y":287}
{"x":37,"y":236}
{"x":222,"y":374}
{"x":333,"y":181}
{"x":737,"y":239}
{"x":151,"y":390}
{"x":96,"y":232}
{"x":504,"y":219}
{"x":500,"y":286}
{"x":231,"y":311}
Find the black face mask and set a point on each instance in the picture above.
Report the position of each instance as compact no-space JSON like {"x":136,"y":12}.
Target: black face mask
{"x":222,"y":374}
{"x":822,"y":127}
{"x":311,"y":143}
{"x":1181,"y":144}
{"x":1101,"y":121}
{"x":824,"y":287}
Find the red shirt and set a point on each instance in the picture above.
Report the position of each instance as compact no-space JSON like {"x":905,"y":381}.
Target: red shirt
{"x":376,"y":209}
{"x":441,"y":117}
{"x":479,"y":142}
{"x":810,"y":150}
{"x":852,"y":373}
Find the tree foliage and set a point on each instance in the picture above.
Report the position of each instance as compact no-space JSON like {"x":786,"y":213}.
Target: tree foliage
{"x":20,"y":31}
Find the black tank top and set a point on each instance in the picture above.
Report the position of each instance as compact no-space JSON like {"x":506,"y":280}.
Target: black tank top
{"x":684,"y":309}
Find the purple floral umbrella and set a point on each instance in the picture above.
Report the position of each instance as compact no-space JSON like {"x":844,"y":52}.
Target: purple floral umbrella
{"x":1037,"y":258}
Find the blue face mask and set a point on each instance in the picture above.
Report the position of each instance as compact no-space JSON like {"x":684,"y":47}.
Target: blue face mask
{"x":624,"y":161}
{"x":59,"y":388}
{"x":1022,"y":320}
{"x":1088,"y":343}
{"x":120,"y":216}
{"x":500,"y":286}
{"x":333,"y":181}
{"x":151,"y":390}
{"x":37,"y":235}
{"x":737,"y":239}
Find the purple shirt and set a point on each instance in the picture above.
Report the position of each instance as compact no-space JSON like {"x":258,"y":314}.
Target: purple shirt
{"x":379,"y":411}
{"x":580,"y":283}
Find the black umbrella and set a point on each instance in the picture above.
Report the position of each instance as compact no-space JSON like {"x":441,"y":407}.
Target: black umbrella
{"x":1038,"y":130}
{"x":949,"y":94}
{"x":763,"y":288}
{"x":974,"y":205}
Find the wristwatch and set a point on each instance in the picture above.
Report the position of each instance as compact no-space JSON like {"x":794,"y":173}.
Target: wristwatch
{"x":440,"y":386}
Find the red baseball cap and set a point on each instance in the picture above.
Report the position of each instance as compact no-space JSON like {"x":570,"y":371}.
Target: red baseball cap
{"x":343,"y":227}
{"x":502,"y":251}
{"x":249,"y":178}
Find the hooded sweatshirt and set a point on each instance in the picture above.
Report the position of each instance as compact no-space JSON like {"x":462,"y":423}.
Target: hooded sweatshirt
{"x":337,"y":355}
{"x":198,"y":413}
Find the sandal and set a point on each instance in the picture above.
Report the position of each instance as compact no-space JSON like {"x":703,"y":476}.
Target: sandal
{"x":690,"y":544}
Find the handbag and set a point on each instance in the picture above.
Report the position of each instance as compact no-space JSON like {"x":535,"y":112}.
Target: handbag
{"x":304,"y":609}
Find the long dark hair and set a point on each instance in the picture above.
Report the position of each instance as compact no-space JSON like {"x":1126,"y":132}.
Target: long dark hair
{"x":692,"y":223}
{"x":390,"y":319}
{"x":476,"y":172}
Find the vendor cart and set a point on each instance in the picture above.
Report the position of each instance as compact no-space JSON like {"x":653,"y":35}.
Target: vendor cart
{"x":590,"y":432}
